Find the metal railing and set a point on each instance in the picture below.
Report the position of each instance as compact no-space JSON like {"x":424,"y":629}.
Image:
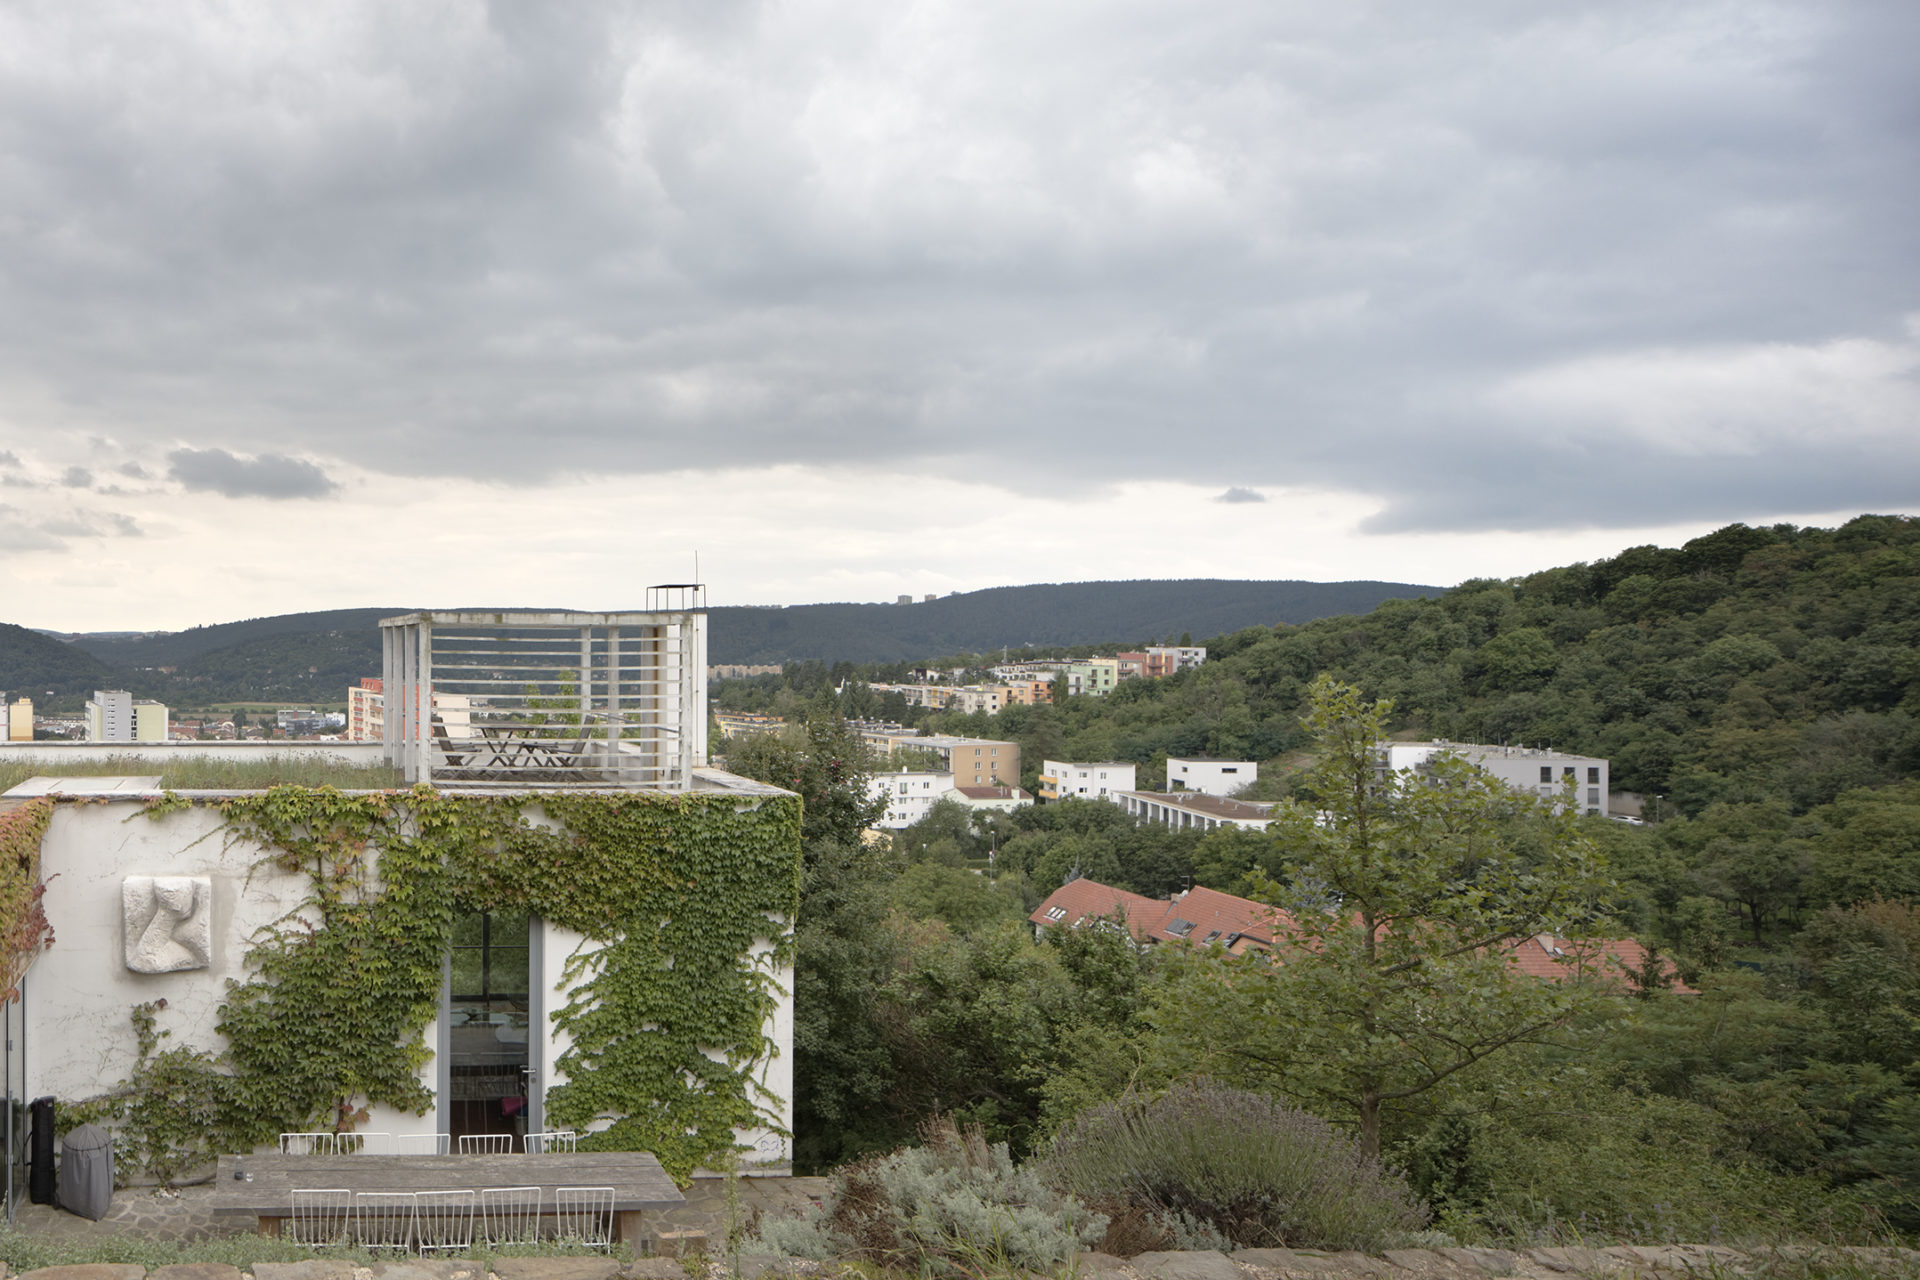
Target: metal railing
{"x":545,"y":700}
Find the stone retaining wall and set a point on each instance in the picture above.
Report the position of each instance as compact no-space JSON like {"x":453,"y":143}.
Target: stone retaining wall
{"x":1625,"y":1262}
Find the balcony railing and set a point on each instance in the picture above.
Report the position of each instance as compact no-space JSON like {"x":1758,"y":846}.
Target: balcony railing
{"x":549,"y":700}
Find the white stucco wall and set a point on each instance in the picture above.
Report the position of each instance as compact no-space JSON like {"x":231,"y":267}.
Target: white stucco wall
{"x":80,"y":993}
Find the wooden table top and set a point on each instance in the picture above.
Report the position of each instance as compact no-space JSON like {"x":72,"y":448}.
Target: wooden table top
{"x":637,"y":1179}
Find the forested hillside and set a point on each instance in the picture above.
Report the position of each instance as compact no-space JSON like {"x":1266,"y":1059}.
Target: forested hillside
{"x":1762,"y":681}
{"x":1750,"y":665}
{"x":31,"y":665}
{"x":1041,"y":614}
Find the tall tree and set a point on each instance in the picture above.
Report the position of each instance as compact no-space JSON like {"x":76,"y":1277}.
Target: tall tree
{"x":1405,"y":896}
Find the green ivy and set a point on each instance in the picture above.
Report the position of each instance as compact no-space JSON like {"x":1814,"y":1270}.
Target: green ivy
{"x":666,"y":1018}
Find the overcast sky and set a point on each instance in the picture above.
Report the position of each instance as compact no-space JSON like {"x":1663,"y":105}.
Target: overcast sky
{"x":325,"y":304}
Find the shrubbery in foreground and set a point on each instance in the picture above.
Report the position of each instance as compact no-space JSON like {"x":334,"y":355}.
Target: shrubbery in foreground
{"x":1207,"y":1167}
{"x":954,"y":1203}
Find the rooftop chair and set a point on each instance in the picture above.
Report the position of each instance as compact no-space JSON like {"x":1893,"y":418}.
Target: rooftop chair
{"x":509,"y":1215}
{"x":443,"y":1221}
{"x":585,"y":1216}
{"x":320,"y":1217}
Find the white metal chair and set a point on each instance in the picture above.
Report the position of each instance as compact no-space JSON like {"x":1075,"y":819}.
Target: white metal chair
{"x":486,"y":1144}
{"x":443,"y":1221}
{"x":423,"y":1144}
{"x":383,"y":1219}
{"x":510,"y":1215}
{"x":553,"y":1140}
{"x":584,"y":1216}
{"x":306,"y":1144}
{"x":321,"y":1216}
{"x":363,"y":1144}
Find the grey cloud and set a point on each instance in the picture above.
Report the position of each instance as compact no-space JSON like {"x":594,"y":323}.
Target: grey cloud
{"x":513,"y":242}
{"x":134,"y":471}
{"x":8,"y":458}
{"x":270,"y":475}
{"x":1237,"y":494}
{"x":76,"y":478}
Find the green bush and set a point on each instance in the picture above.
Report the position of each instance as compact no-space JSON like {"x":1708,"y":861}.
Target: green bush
{"x":952,"y":1205}
{"x":1205,"y":1167}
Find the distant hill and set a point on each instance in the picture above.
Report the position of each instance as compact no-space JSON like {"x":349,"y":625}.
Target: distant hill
{"x":1040,"y":614}
{"x":134,"y":649}
{"x":315,"y":656}
{"x":31,"y":664}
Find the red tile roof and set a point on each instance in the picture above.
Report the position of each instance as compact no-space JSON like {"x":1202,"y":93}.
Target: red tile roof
{"x":1553,"y":958}
{"x":1202,"y":916}
{"x":1199,"y":916}
{"x":1080,"y":900}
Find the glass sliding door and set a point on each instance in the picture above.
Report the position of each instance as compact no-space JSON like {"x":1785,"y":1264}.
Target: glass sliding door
{"x":488,"y":1023}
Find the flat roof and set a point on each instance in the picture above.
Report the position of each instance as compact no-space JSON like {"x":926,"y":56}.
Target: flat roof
{"x":97,"y":786}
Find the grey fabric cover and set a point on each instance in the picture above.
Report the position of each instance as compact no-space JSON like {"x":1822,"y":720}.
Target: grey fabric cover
{"x":86,"y":1172}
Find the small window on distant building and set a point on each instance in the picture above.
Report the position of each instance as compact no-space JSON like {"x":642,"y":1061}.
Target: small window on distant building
{"x":1234,"y":770}
{"x":1056,"y":913}
{"x":1546,"y":773}
{"x":1567,"y":772}
{"x":1593,"y":773}
{"x":1593,"y":795}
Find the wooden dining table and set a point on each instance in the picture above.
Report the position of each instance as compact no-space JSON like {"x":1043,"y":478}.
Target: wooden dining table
{"x":265,"y":1194}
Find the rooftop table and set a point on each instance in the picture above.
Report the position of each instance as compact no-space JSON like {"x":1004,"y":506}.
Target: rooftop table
{"x":638,"y":1181}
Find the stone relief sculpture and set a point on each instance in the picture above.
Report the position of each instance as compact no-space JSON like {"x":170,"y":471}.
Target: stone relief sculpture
{"x":168,"y":922}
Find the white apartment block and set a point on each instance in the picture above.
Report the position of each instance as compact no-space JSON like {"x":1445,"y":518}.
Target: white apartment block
{"x":1195,"y":812}
{"x":1535,"y":770}
{"x":1097,"y":780}
{"x":1210,"y":777}
{"x":910,"y":796}
{"x":114,"y":715}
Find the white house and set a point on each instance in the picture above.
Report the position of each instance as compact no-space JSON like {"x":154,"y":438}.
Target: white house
{"x":1095,"y":780}
{"x":1535,"y":770}
{"x":1210,"y":777}
{"x":910,"y":795}
{"x":160,"y":901}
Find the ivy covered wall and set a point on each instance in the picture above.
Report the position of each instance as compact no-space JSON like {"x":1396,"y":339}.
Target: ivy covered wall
{"x":332,"y":914}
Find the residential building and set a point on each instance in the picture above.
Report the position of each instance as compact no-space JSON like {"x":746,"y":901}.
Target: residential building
{"x":1097,"y":780}
{"x":299,"y":722}
{"x":367,"y":711}
{"x":1186,"y":811}
{"x":163,"y":912}
{"x":20,"y":720}
{"x":1001,"y":799}
{"x":1166,"y":659}
{"x":747,"y":724}
{"x":1130,"y":666}
{"x":1029,"y":693}
{"x":150,"y":721}
{"x":979,"y":698}
{"x":1535,"y":770}
{"x":973,"y":762}
{"x":110,"y":716}
{"x":910,"y":796}
{"x":1093,"y":678}
{"x":1210,"y":777}
{"x":114,"y":715}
